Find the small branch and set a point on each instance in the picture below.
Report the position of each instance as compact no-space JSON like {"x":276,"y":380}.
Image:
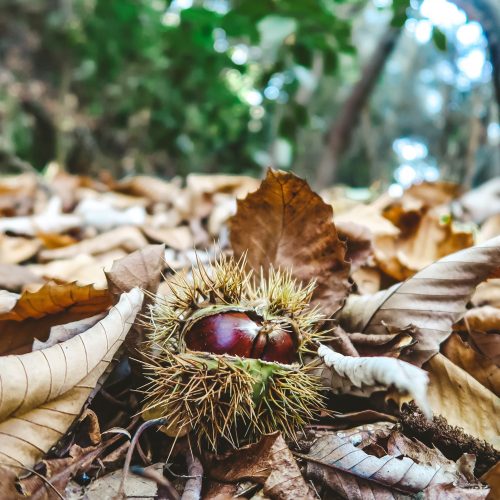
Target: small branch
{"x":192,"y":490}
{"x":130,"y":452}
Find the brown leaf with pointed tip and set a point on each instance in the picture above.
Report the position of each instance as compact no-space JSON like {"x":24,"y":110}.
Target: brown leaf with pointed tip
{"x":142,"y":268}
{"x":268,"y":462}
{"x":44,"y":391}
{"x":355,"y":475}
{"x":475,"y":364}
{"x":285,"y":224}
{"x":36,"y":312}
{"x":432,"y":300}
{"x":462,"y":400}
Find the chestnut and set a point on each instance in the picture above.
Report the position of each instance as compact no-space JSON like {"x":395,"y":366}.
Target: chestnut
{"x":237,"y":334}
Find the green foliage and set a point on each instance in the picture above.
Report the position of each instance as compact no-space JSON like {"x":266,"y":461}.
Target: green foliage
{"x":168,"y":79}
{"x":439,"y":38}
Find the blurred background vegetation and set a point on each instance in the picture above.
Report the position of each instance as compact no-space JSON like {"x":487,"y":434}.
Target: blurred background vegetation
{"x":353,"y":91}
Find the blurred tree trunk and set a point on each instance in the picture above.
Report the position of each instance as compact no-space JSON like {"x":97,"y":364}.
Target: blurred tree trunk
{"x":340,"y":133}
{"x":487,"y":14}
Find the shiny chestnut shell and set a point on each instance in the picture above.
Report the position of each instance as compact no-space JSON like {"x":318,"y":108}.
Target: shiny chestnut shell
{"x":237,"y":334}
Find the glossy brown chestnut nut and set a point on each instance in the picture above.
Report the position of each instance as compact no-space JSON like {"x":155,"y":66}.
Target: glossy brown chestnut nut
{"x":237,"y":334}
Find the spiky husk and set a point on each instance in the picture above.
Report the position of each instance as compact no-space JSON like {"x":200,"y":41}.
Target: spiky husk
{"x":279,"y":298}
{"x":231,"y":400}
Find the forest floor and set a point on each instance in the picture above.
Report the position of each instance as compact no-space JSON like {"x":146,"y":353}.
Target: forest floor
{"x":229,"y":337}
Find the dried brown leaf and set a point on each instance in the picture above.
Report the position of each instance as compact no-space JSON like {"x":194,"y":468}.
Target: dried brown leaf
{"x":44,"y":391}
{"x":432,"y":301}
{"x":482,"y":324}
{"x":358,"y":239}
{"x":268,"y":462}
{"x":142,"y":268}
{"x":36,"y":312}
{"x":492,"y":479}
{"x":462,"y":400}
{"x":475,"y":364}
{"x":353,"y":474}
{"x":285,"y":224}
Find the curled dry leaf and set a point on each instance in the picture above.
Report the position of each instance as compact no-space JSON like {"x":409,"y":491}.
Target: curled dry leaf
{"x":463,"y":401}
{"x":355,"y":475}
{"x":35,"y":313}
{"x":268,"y":462}
{"x":432,"y":300}
{"x":474,"y":363}
{"x":363,"y":376}
{"x":44,"y":391}
{"x":358,"y":239}
{"x":285,"y":224}
{"x":482,"y":324}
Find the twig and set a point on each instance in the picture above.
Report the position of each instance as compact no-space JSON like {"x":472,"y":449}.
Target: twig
{"x":192,"y":490}
{"x":166,"y":487}
{"x":150,"y":423}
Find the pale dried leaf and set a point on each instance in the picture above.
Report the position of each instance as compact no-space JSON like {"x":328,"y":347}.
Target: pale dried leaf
{"x":355,"y":475}
{"x":453,"y":492}
{"x":16,"y":249}
{"x":152,"y":188}
{"x":285,"y":224}
{"x":60,"y":333}
{"x":400,"y":445}
{"x":7,"y":301}
{"x":128,"y":238}
{"x":102,"y":216}
{"x":462,"y":400}
{"x":489,"y":229}
{"x":363,"y":376}
{"x":178,"y":238}
{"x":14,"y":278}
{"x":432,"y":300}
{"x":44,"y":391}
{"x":481,"y":202}
{"x":475,"y":364}
{"x":487,"y":294}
